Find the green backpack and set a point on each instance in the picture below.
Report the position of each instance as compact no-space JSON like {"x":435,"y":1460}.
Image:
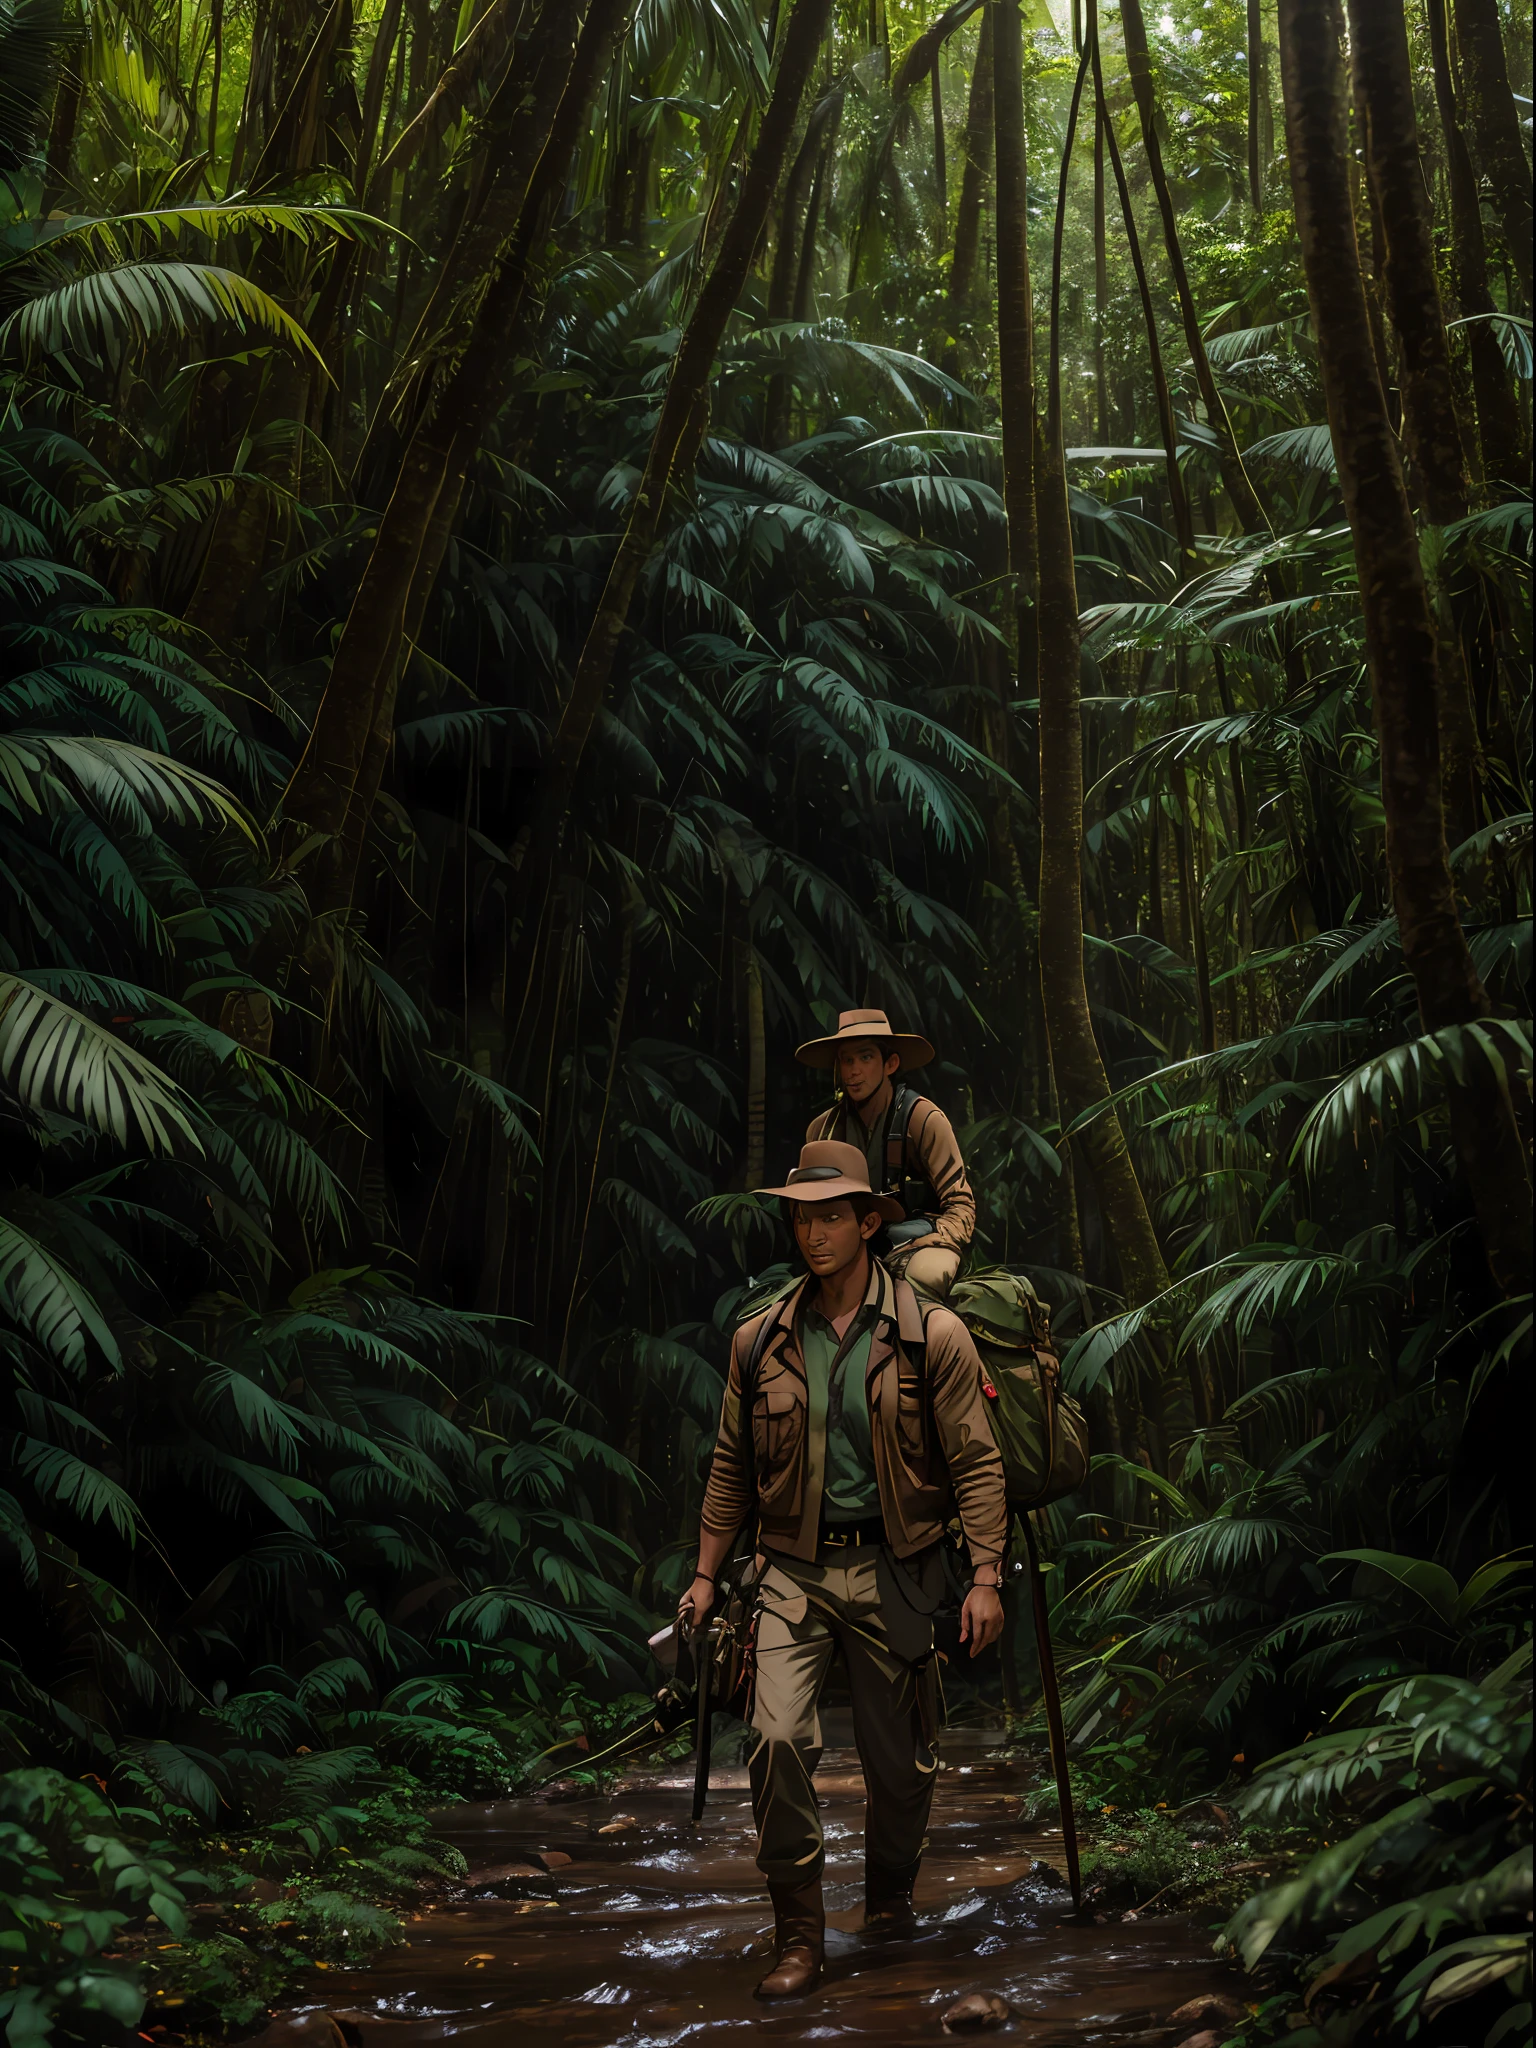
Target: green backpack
{"x":1040,"y":1430}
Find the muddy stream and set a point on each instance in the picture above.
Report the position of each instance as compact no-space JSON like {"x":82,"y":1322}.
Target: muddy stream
{"x":605,"y":1920}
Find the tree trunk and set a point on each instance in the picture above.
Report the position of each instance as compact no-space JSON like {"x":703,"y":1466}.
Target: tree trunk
{"x":805,"y":279}
{"x":1256,"y":97}
{"x":514,"y":131}
{"x":61,"y":135}
{"x":976,"y":150}
{"x":1379,"y":46}
{"x":329,"y":782}
{"x":1081,"y":1080}
{"x":1495,"y":126}
{"x":1498,"y":416}
{"x":757,"y":1067}
{"x":940,"y":166}
{"x":1399,"y":631}
{"x":1245,"y":503}
{"x":1431,"y":428}
{"x":800,"y":191}
{"x":680,"y":426}
{"x":1015,"y":333}
{"x":1178,"y":496}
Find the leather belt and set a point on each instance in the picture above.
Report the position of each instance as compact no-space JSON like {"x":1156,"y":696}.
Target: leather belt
{"x":852,"y":1535}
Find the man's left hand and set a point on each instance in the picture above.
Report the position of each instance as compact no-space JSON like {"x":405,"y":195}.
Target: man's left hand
{"x":981,"y":1618}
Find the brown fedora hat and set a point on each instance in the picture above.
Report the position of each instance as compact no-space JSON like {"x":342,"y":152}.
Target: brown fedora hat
{"x":852,"y":1024}
{"x":831,"y":1172}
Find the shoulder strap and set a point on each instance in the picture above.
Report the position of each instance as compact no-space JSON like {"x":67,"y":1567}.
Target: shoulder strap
{"x":897,"y":1119}
{"x":912,"y":1324}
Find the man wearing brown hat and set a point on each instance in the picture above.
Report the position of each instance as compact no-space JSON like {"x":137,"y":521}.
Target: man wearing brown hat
{"x":909,"y":1142}
{"x":853,"y":1429}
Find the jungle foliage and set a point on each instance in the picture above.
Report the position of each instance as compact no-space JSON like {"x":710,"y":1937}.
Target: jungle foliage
{"x":406,"y":927}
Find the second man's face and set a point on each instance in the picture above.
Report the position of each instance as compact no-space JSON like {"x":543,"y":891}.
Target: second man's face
{"x":831,"y":1234}
{"x":862,"y":1066}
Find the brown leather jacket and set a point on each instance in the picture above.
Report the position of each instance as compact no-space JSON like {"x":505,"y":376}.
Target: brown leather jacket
{"x":934,"y":1451}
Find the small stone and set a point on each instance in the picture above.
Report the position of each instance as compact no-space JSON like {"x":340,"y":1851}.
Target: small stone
{"x":621,"y":1824}
{"x":536,"y":1906}
{"x":551,"y":1859}
{"x":1210,"y":2005}
{"x":977,"y":2013}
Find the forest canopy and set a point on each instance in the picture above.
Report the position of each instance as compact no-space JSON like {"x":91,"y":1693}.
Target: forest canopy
{"x":546,"y":549}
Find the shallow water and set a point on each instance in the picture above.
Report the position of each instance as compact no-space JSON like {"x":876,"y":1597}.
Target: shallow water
{"x":654,"y":1934}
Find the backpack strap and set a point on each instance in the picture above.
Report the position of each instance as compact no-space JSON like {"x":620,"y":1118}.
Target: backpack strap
{"x":912,"y":1324}
{"x":898,"y":1117}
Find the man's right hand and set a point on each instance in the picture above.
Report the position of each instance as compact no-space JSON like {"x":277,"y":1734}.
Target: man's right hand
{"x":693,"y":1608}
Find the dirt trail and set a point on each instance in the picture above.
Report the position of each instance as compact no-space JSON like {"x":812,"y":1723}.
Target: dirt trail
{"x":652,"y":1934}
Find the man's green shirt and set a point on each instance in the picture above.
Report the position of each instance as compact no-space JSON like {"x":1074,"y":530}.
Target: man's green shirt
{"x":839,"y":1414}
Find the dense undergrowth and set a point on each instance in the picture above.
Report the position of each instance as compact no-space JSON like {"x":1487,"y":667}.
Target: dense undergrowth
{"x":367,"y":1259}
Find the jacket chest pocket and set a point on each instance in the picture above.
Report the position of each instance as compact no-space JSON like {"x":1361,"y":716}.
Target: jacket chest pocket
{"x":777,"y":1408}
{"x":911,"y":1414}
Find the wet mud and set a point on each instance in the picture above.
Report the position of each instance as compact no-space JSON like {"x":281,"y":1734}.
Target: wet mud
{"x":600,"y":1921}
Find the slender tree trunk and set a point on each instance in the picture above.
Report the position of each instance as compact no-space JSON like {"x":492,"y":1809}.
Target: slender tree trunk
{"x":1399,"y":631}
{"x":976,"y":150}
{"x":1100,"y":275}
{"x":1075,"y":1059}
{"x":1178,"y":496}
{"x":799,"y":191}
{"x":1245,"y":503}
{"x":940,"y":166}
{"x":1495,"y":126}
{"x":328,"y":783}
{"x":1431,"y":428}
{"x":1015,"y":333}
{"x":61,"y":134}
{"x":1498,"y":416}
{"x":805,"y":279}
{"x":1379,"y":47}
{"x":680,"y":426}
{"x":1256,"y":97}
{"x":757,"y":1066}
{"x":514,"y":131}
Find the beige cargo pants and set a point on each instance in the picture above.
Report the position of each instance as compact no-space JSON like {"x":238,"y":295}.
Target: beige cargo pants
{"x":810,"y":1612}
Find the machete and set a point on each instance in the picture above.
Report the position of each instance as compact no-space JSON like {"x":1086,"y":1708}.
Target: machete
{"x":701,"y":1641}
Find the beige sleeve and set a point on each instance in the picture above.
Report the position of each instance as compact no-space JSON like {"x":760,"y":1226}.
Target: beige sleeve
{"x":727,"y":1495}
{"x":821,"y":1126}
{"x":932,"y":1138}
{"x":965,"y":1435}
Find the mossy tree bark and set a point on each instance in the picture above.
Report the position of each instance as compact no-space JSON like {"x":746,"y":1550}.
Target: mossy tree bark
{"x":1245,"y":503}
{"x":334,"y":785}
{"x":1399,"y":629}
{"x":1495,"y":124}
{"x":1015,"y":332}
{"x":1498,"y":417}
{"x":1431,"y":427}
{"x":975,"y":176}
{"x":1081,"y":1079}
{"x":679,"y":430}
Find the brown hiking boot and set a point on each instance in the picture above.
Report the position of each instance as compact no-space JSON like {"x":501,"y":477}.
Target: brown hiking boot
{"x":888,"y":1906}
{"x":799,"y":1933}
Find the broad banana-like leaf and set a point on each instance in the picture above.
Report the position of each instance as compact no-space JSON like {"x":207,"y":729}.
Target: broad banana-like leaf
{"x":53,"y":1058}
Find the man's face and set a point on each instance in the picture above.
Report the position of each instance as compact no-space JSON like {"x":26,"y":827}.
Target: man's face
{"x":862,"y":1065}
{"x":831,"y":1234}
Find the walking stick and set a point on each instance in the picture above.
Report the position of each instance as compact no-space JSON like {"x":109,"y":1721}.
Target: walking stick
{"x":1053,"y":1720}
{"x":703,"y":1714}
